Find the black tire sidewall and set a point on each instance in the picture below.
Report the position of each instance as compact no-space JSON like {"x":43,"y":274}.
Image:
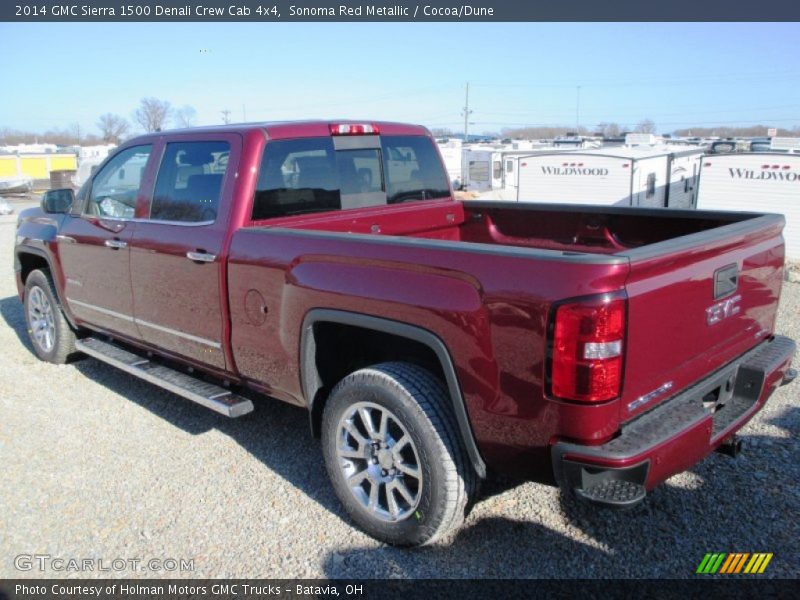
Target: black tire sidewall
{"x":425,"y":521}
{"x":40,"y":280}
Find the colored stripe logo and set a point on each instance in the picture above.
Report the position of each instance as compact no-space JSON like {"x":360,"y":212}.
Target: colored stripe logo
{"x":734,"y":563}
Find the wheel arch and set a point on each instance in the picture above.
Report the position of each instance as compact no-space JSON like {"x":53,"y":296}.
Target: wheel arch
{"x":29,"y":259}
{"x":314,"y":388}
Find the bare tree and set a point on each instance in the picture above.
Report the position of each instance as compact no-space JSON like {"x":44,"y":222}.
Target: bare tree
{"x":74,"y":132}
{"x":609,"y":129}
{"x":112,"y":127}
{"x":535,"y":132}
{"x":646,"y":126}
{"x":441,"y":132}
{"x":185,"y":116}
{"x":152,"y":114}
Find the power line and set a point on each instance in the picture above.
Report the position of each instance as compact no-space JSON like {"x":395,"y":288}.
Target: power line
{"x":659,"y":81}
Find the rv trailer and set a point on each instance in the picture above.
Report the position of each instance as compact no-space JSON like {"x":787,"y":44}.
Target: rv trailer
{"x":662,"y":176}
{"x":755,"y":181}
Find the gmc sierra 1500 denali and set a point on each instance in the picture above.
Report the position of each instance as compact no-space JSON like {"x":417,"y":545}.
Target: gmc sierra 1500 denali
{"x":432,"y":341}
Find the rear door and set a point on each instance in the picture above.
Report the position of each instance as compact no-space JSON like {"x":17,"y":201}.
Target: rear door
{"x":683,"y":181}
{"x":177,"y":263}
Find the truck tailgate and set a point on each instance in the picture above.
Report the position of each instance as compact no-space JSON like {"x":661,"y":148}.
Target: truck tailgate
{"x":695,"y":304}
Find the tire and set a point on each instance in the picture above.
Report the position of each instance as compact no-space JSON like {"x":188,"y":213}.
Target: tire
{"x":51,"y":335}
{"x":419,"y":460}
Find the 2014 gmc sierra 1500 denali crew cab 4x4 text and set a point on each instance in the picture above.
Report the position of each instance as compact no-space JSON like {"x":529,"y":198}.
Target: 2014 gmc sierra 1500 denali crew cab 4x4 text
{"x":432,"y":341}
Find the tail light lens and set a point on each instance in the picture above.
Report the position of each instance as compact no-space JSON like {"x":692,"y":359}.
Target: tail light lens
{"x":588,"y":344}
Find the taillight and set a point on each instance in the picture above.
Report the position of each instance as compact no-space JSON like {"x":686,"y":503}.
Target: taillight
{"x":354,"y":129}
{"x":588,"y":344}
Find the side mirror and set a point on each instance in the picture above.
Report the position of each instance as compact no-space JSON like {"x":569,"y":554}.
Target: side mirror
{"x":58,"y":201}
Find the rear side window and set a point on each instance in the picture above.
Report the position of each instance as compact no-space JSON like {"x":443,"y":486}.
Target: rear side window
{"x":309,"y":175}
{"x":414,"y":170}
{"x":189,"y":181}
{"x":297,"y":176}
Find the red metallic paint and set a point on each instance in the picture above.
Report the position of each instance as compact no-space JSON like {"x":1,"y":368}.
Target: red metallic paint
{"x":491,"y":310}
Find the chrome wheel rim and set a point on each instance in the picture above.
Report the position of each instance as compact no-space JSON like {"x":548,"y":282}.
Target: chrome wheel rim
{"x":40,"y":319}
{"x":379,"y":462}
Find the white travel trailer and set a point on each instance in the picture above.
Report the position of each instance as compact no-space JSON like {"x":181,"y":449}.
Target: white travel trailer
{"x":785,"y":144}
{"x":482,"y":167}
{"x":451,"y":150}
{"x":755,"y":181}
{"x":661,"y":176}
{"x":494,"y":168}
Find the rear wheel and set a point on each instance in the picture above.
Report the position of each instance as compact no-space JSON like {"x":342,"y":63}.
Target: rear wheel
{"x":394,"y":455}
{"x":52,"y":338}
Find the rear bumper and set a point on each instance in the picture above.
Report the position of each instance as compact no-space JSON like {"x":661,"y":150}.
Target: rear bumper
{"x":678,"y":433}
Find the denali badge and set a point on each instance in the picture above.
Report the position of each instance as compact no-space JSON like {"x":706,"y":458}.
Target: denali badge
{"x":722,"y":310}
{"x":642,"y":400}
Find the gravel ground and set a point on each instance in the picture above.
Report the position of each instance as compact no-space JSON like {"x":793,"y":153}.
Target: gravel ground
{"x":98,"y":464}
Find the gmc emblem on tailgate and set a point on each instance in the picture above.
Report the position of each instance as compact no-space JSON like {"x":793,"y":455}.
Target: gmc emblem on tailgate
{"x":726,"y":280}
{"x":722,"y":310}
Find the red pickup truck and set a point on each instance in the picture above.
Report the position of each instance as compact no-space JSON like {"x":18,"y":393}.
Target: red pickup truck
{"x":432,"y":341}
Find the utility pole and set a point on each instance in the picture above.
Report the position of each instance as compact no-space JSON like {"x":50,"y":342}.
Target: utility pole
{"x":578,"y":111}
{"x":467,"y":113}
{"x":226,"y":116}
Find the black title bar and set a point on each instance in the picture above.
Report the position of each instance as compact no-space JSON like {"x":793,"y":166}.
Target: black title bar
{"x":270,"y":11}
{"x":699,"y":588}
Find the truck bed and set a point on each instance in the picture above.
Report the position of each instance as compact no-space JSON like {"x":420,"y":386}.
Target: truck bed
{"x":496,"y":270}
{"x":565,"y":228}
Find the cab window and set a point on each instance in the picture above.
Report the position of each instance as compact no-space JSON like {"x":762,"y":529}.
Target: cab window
{"x":115,"y":188}
{"x":309,"y":175}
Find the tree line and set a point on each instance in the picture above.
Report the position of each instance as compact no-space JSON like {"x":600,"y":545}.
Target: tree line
{"x":610,"y":130}
{"x":154,"y":114}
{"x":151,"y":115}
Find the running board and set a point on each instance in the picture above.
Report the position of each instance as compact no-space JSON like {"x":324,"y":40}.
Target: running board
{"x":209,"y":395}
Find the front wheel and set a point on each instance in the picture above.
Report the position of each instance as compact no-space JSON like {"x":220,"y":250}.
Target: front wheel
{"x":52,"y":338}
{"x":394,"y":455}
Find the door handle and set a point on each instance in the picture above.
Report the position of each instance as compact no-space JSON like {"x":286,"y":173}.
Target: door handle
{"x":116,"y":244}
{"x":201,"y":257}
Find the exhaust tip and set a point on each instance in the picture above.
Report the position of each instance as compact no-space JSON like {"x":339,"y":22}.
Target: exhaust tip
{"x":731,"y":447}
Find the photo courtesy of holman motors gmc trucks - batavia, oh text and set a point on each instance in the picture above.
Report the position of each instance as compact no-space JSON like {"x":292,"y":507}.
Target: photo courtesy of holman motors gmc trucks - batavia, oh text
{"x":433,"y":342}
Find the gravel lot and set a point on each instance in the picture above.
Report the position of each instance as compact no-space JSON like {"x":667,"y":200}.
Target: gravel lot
{"x":98,"y":464}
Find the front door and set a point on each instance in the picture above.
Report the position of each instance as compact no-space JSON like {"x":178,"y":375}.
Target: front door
{"x":177,"y":266}
{"x":94,"y":245}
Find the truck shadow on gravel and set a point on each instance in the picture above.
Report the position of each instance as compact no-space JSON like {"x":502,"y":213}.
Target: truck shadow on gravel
{"x":719,"y":510}
{"x":12,"y":314}
{"x":276,"y":433}
{"x":723,"y":505}
{"x":745,"y":504}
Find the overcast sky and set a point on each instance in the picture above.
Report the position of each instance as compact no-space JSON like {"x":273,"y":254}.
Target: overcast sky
{"x":678,"y":75}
